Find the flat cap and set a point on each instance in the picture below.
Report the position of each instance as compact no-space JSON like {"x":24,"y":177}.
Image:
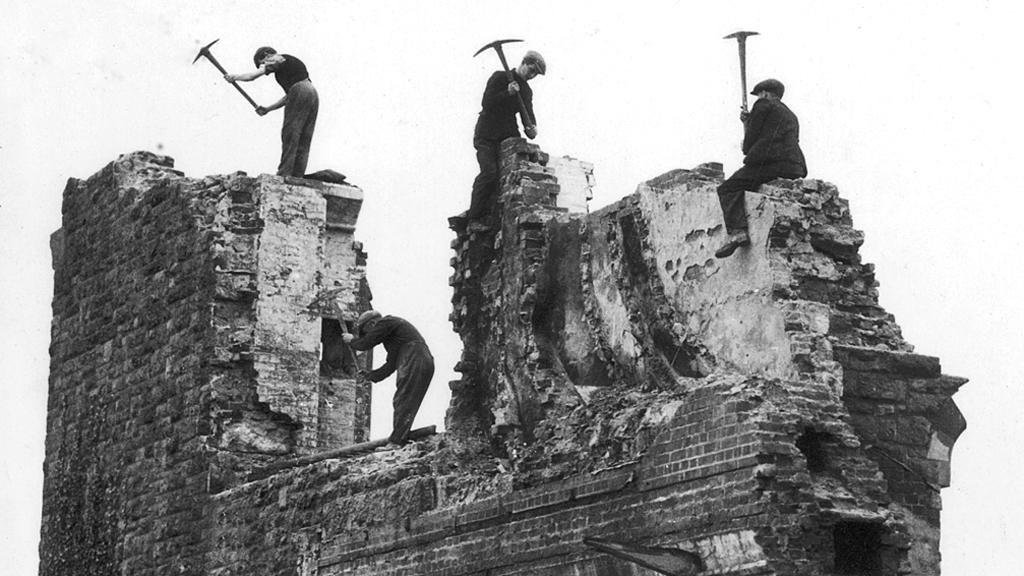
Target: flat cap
{"x":771,"y":85}
{"x":366,"y":317}
{"x":534,"y":57}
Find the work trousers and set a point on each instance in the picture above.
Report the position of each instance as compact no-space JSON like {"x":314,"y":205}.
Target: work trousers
{"x":297,"y":131}
{"x":485,"y":186}
{"x":732,"y":192}
{"x":414,"y":372}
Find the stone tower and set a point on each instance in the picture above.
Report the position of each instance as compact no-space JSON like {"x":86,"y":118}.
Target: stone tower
{"x":628,"y":404}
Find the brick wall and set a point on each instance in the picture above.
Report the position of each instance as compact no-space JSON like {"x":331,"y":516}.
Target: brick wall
{"x":185,"y":351}
{"x":762,"y":412}
{"x":723,"y":476}
{"x":125,"y":486}
{"x":574,"y":324}
{"x":901,"y":406}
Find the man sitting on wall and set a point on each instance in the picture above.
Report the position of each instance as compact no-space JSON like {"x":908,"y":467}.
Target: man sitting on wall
{"x":771,"y":143}
{"x":408,"y":355}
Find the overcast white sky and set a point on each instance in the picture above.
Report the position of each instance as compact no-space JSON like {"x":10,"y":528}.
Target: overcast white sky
{"x":909,"y":107}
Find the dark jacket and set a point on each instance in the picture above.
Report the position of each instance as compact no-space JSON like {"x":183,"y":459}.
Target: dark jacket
{"x":394,"y":333}
{"x":497,"y":119}
{"x":772,"y":139}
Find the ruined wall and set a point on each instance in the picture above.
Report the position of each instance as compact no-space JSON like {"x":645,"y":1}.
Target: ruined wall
{"x":132,"y":286}
{"x":901,"y":406}
{"x":185,"y":351}
{"x":286,"y":385}
{"x":754,"y":415}
{"x":588,"y":317}
{"x":724,"y":472}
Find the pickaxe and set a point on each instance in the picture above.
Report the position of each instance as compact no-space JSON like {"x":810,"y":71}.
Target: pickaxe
{"x":527,"y":120}
{"x":205,"y":51}
{"x":325,"y":305}
{"x":741,"y":37}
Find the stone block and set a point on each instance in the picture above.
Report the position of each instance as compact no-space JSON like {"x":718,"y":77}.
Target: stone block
{"x":898,"y":363}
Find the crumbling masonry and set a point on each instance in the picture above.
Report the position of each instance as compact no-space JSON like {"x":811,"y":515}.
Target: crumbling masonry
{"x":618,"y":383}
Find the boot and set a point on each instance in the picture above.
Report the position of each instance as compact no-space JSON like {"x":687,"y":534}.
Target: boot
{"x":732,"y":242}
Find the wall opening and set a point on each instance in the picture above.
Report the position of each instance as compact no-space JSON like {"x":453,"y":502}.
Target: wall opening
{"x":812,"y":445}
{"x":858,"y":548}
{"x":336,"y":358}
{"x":345,"y":399}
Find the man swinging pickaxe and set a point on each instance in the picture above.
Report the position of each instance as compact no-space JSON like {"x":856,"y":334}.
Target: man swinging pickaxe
{"x":527,"y":120}
{"x":205,"y":51}
{"x":506,"y":94}
{"x":741,"y":38}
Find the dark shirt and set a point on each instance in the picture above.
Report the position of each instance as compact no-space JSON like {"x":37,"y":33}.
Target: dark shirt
{"x":497,"y":119}
{"x":394,"y":333}
{"x":772,"y":138}
{"x":289,"y":72}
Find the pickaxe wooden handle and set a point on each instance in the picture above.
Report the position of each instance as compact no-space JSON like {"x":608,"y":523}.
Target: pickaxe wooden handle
{"x":339,"y":314}
{"x":205,"y":51}
{"x":344,"y":330}
{"x":741,"y":37}
{"x":527,"y":119}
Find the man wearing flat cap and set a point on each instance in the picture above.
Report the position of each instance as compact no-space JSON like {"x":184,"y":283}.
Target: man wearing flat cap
{"x":408,"y":355}
{"x":771,"y":145}
{"x":497,"y":121}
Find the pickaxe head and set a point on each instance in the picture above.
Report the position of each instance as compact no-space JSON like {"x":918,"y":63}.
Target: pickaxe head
{"x":205,"y":50}
{"x":740,"y":36}
{"x":496,"y":45}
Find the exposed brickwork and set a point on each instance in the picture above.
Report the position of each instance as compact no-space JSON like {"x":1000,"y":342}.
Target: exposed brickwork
{"x":635,"y":315}
{"x":723,"y":477}
{"x":178,"y":334}
{"x":900,"y":405}
{"x":617,"y":382}
{"x":124,"y":486}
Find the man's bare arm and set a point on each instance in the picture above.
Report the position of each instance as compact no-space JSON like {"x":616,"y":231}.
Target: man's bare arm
{"x":246,"y":76}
